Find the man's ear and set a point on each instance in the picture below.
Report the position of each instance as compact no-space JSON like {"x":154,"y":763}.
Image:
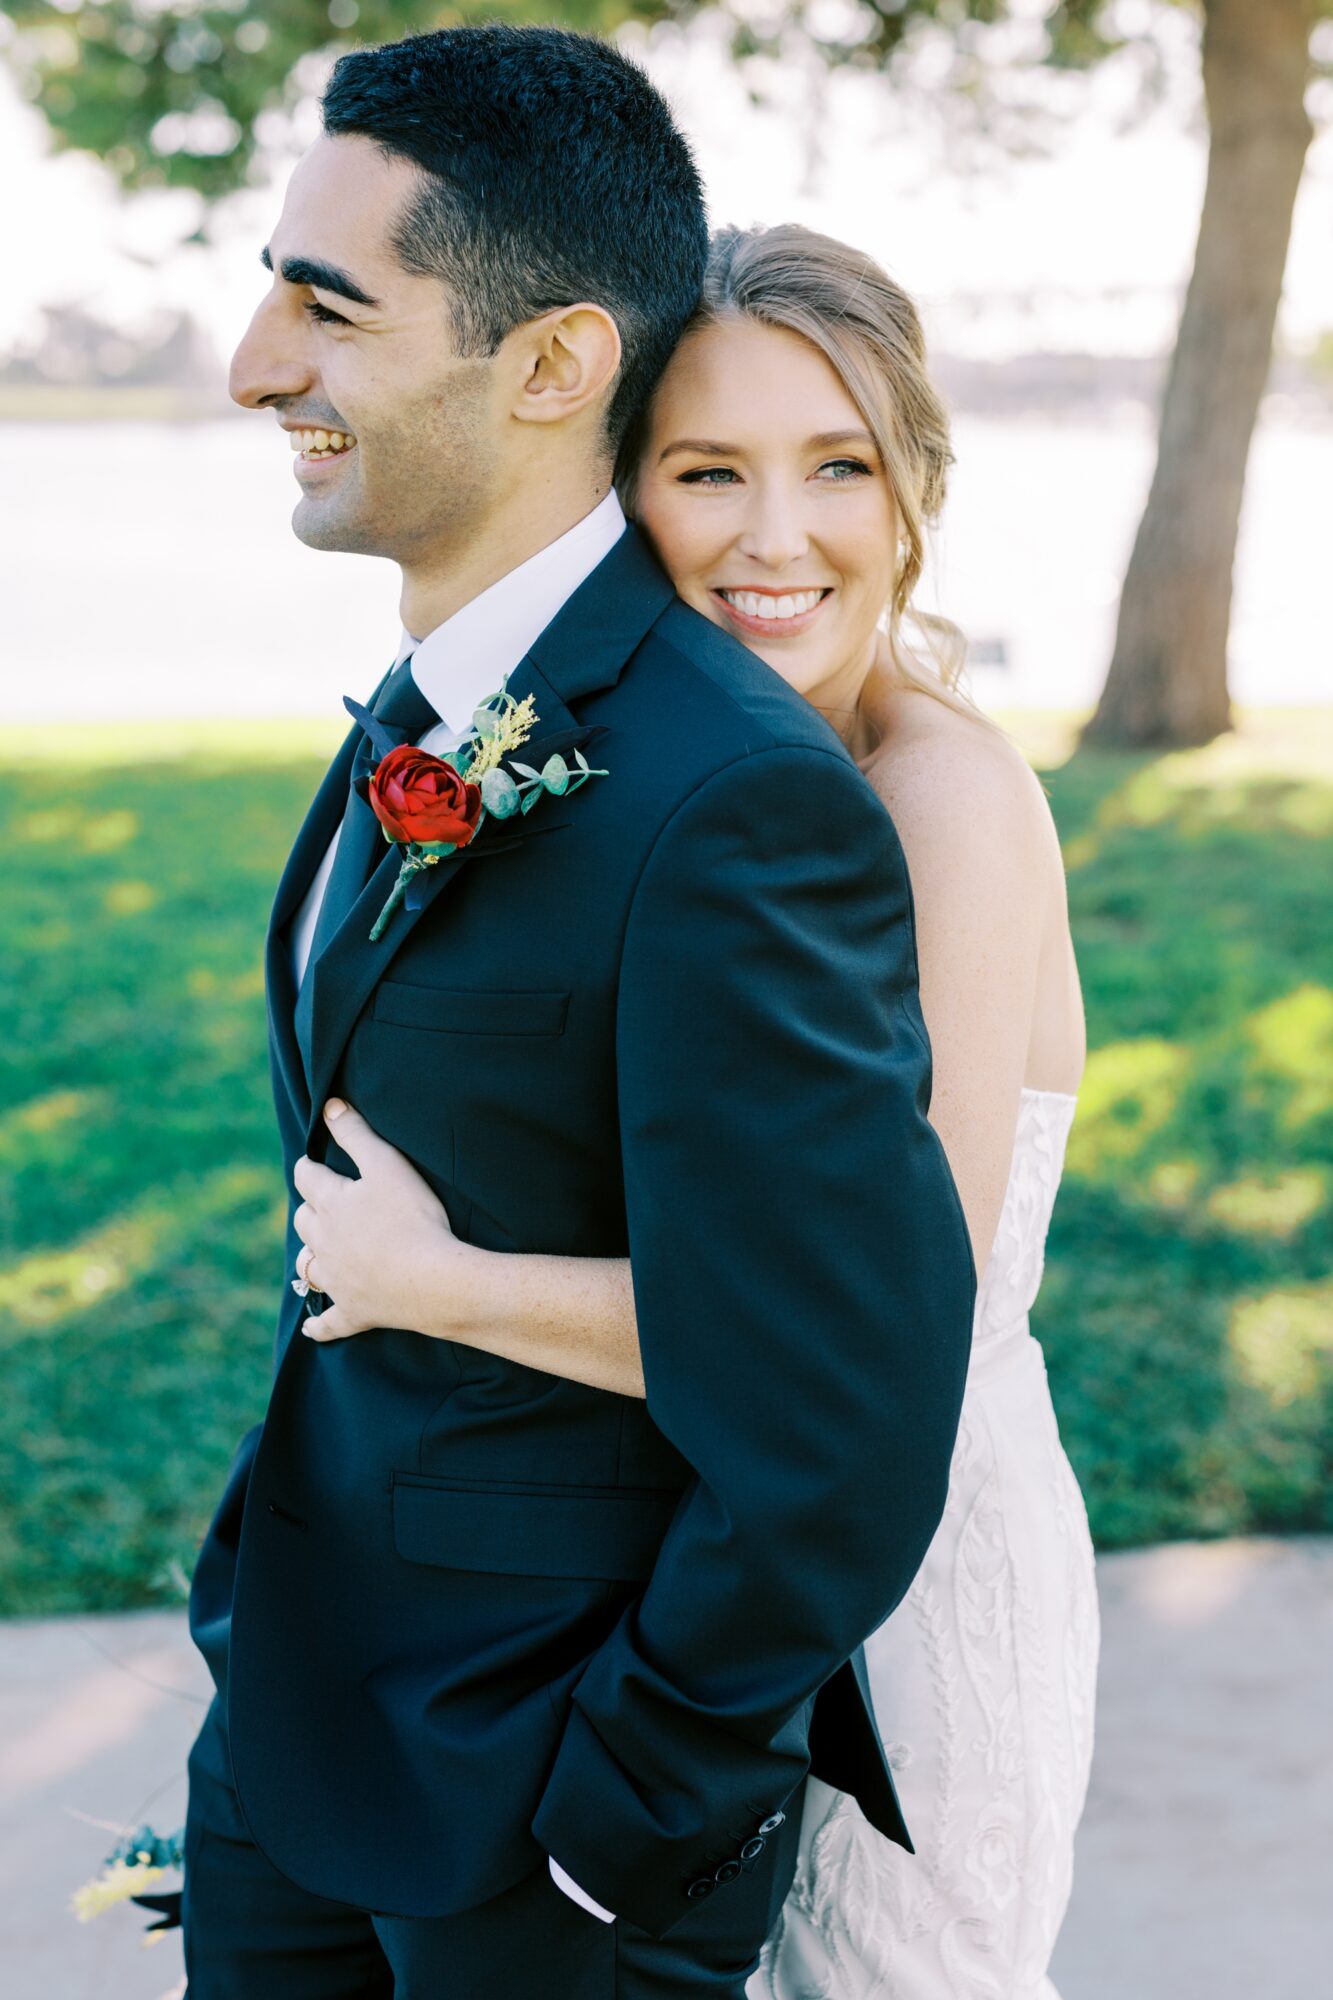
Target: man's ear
{"x":565,"y":362}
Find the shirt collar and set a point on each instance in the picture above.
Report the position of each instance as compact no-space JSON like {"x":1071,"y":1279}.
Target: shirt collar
{"x":467,"y":658}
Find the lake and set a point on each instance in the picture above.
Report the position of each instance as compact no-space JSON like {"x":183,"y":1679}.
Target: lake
{"x":150,"y":570}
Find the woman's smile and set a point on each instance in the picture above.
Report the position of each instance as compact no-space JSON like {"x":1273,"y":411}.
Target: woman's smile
{"x":771,"y":611}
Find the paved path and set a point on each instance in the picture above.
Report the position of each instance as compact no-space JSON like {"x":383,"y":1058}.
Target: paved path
{"x":1203,"y":1863}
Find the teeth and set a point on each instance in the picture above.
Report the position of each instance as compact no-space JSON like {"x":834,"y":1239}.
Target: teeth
{"x":321,"y":444}
{"x":756,"y":604}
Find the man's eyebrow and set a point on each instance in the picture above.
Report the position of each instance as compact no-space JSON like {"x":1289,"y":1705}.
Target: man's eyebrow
{"x":711,"y":447}
{"x":327,"y":277}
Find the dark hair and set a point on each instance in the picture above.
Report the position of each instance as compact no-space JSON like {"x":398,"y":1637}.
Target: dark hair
{"x":554,"y":173}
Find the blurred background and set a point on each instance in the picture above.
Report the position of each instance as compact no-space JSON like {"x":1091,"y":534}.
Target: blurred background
{"x":1118,"y":222}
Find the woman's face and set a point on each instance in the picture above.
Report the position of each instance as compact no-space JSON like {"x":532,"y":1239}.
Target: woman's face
{"x":768,"y":505}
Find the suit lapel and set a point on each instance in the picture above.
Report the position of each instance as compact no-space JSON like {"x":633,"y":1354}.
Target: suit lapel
{"x":584,"y":648}
{"x":308,"y":849}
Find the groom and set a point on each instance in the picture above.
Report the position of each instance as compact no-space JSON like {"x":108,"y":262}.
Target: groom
{"x":518,"y":1681}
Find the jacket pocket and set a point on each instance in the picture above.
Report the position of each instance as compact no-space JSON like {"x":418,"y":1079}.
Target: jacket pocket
{"x":608,"y":1534}
{"x":472,"y":1011}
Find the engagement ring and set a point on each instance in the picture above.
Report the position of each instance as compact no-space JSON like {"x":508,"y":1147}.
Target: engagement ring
{"x":301,"y":1284}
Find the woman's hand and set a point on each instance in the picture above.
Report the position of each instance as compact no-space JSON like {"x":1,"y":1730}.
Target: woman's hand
{"x":380,"y":1248}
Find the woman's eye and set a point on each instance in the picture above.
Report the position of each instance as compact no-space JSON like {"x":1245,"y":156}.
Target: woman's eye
{"x":845,"y":468}
{"x":323,"y":315}
{"x":708,"y":475}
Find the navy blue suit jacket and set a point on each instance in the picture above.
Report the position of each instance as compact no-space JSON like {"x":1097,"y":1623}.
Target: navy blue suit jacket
{"x":462,"y":1613}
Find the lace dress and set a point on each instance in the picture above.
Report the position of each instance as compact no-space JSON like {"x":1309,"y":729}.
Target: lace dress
{"x":984,"y":1680}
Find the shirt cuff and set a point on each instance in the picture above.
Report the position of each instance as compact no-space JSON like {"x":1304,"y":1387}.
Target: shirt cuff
{"x":577,"y":1895}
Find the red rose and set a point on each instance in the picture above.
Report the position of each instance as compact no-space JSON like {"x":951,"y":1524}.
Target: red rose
{"x":419,"y":797}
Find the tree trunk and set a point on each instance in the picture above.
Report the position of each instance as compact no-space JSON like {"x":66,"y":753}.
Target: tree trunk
{"x":1167,"y":682}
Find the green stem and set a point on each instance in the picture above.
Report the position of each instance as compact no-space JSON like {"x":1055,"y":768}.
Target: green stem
{"x":396,"y":894}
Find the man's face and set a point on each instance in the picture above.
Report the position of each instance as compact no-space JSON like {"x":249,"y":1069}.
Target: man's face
{"x":348,"y":343}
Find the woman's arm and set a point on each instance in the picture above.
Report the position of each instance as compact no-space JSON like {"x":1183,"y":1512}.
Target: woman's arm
{"x":984,"y":861}
{"x":570,"y":1316}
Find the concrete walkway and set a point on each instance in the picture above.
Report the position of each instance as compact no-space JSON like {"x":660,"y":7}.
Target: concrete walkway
{"x":1204,"y":1857}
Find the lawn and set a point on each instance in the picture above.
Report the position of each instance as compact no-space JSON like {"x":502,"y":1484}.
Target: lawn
{"x":1187,"y":1308}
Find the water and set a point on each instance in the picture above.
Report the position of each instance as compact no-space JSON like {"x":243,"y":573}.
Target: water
{"x":149,"y":570}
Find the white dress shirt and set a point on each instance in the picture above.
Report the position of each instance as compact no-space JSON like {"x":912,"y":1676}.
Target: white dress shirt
{"x":456,"y":667}
{"x":464,"y":660}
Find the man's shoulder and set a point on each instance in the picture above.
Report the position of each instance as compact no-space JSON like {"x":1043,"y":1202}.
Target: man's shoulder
{"x":697,"y":683}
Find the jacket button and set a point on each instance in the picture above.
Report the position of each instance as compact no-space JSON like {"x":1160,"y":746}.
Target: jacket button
{"x":752,"y":1849}
{"x":698,"y":1890}
{"x":772,"y":1823}
{"x":727,"y":1872}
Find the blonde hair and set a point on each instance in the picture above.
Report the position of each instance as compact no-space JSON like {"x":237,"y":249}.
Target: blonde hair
{"x":870,"y":332}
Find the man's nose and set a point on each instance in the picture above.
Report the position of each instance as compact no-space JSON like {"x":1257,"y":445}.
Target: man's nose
{"x":271,"y":362}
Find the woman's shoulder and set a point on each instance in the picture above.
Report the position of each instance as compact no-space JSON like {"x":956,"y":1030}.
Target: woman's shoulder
{"x":962,"y":795}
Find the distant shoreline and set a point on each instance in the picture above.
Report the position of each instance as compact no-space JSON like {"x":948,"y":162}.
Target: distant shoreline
{"x":1074,"y":389}
{"x":81,"y":403}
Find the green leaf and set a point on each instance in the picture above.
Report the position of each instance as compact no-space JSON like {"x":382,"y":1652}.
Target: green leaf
{"x":499,"y":794}
{"x":486,"y":723}
{"x":526,"y":769}
{"x":435,"y":846}
{"x":532,"y":798}
{"x":555,"y":774}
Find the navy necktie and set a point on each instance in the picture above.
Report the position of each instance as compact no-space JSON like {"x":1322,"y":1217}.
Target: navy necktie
{"x":361,"y":842}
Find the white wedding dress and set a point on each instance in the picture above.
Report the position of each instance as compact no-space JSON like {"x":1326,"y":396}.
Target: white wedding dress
{"x":983,"y":1679}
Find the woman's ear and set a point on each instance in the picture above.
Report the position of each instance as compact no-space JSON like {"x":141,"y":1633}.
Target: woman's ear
{"x":566,"y":361}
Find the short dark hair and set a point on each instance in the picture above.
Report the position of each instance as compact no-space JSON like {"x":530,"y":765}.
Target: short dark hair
{"x":554,"y":173}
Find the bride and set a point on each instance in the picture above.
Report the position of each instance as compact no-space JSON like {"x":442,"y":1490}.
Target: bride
{"x":785,"y":472}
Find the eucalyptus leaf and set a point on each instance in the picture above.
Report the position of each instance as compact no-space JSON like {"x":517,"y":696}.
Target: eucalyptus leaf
{"x":486,"y":722}
{"x":499,"y":794}
{"x":530,"y":799}
{"x":436,"y":846}
{"x":555,"y":774}
{"x":526,"y":769}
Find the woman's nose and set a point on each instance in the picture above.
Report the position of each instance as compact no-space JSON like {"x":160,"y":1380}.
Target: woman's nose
{"x":774,"y":533}
{"x":271,"y":361}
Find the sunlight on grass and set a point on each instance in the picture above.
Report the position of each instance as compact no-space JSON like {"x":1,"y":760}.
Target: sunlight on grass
{"x":1278,"y":1207}
{"x":1128,"y":1093}
{"x":1292,"y":1040}
{"x":48,"y":826}
{"x":1175,"y":1183}
{"x":129,"y":899}
{"x":44,"y":1290}
{"x":1283,"y":1341}
{"x":108,"y":831}
{"x":45,"y":1114}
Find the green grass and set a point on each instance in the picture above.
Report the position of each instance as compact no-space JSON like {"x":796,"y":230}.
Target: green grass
{"x":1187,"y":1309}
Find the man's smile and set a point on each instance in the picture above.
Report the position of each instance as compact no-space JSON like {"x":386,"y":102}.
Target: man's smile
{"x":314,"y":445}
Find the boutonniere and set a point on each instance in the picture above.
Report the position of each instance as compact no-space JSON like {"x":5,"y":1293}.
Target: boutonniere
{"x":434,"y":806}
{"x":133,"y":1865}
